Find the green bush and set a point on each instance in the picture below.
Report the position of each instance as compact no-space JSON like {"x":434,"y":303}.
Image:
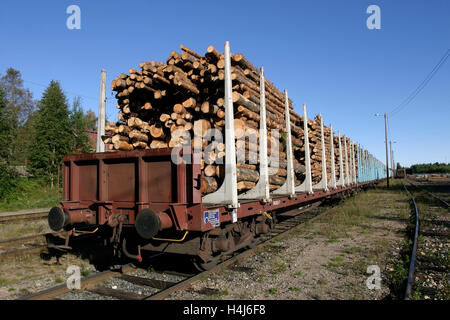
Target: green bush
{"x":7,"y":180}
{"x":29,"y":193}
{"x":431,"y":168}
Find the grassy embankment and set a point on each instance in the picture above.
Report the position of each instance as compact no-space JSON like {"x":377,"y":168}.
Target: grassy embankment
{"x":29,"y":193}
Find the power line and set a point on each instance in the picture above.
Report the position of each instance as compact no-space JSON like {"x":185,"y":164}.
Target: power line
{"x":421,"y":85}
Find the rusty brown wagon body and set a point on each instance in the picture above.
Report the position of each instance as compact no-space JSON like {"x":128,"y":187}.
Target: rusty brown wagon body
{"x":159,"y":196}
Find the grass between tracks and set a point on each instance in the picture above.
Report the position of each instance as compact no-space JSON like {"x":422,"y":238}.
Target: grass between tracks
{"x":23,"y":228}
{"x":355,"y":211}
{"x":357,"y":215}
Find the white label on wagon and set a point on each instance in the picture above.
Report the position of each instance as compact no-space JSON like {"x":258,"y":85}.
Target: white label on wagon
{"x":211,"y":217}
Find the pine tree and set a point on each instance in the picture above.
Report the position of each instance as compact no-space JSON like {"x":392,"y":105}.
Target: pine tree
{"x":20,"y":107}
{"x":91,"y":120}
{"x":79,"y":124}
{"x":7,"y":128}
{"x":6,"y":133}
{"x":20,"y":100}
{"x":52,"y":134}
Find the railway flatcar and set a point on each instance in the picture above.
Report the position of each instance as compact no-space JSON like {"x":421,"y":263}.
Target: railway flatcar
{"x":151,"y":200}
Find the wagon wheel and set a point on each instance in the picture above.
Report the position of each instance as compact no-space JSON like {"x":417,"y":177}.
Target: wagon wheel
{"x":201,"y":266}
{"x":253,"y":244}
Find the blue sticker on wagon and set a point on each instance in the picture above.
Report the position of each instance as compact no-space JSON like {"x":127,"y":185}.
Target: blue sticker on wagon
{"x":211,"y":217}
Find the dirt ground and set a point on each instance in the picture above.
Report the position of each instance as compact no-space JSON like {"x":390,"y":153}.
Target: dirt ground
{"x":24,"y":274}
{"x":325,"y":259}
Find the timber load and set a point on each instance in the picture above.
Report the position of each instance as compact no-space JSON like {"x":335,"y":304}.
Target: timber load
{"x":181,"y":101}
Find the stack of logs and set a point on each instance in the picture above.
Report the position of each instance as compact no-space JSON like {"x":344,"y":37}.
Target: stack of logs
{"x":315,"y":147}
{"x":169,"y":104}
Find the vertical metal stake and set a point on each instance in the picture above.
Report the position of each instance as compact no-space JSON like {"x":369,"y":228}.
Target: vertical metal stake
{"x":347,"y":172}
{"x":341,"y":181}
{"x":306,"y":186}
{"x":332,"y":181}
{"x":101,"y":113}
{"x":352,"y":146}
{"x":289,"y":186}
{"x":322,"y":185}
{"x":227,"y":193}
{"x":262,"y":190}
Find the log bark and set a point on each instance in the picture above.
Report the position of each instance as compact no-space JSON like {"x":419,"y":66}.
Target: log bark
{"x":245,"y":185}
{"x":123,"y":145}
{"x":246,"y":174}
{"x":208,"y":185}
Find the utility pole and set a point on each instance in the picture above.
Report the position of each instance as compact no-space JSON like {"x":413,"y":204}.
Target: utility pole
{"x":390,"y":154}
{"x":101,"y":113}
{"x":393,"y":166}
{"x":387,"y":155}
{"x":386,"y":141}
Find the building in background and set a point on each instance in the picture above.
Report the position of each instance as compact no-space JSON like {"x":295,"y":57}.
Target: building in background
{"x":93,"y":139}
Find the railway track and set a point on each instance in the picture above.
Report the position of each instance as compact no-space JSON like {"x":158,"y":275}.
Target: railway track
{"x":428,"y":271}
{"x":412,"y":264}
{"x":29,"y":244}
{"x":35,"y":243}
{"x":26,"y":215}
{"x":445,"y":202}
{"x":159,"y":285}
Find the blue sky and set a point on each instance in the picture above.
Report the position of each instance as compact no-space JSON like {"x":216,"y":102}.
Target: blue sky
{"x":320,"y":51}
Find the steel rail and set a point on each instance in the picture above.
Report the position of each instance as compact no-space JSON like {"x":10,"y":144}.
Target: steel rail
{"x":430,"y":193}
{"x":85,"y":283}
{"x":35,"y":247}
{"x":436,"y":197}
{"x":412,"y":264}
{"x":13,"y":217}
{"x":23,"y":212}
{"x":25,"y":238}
